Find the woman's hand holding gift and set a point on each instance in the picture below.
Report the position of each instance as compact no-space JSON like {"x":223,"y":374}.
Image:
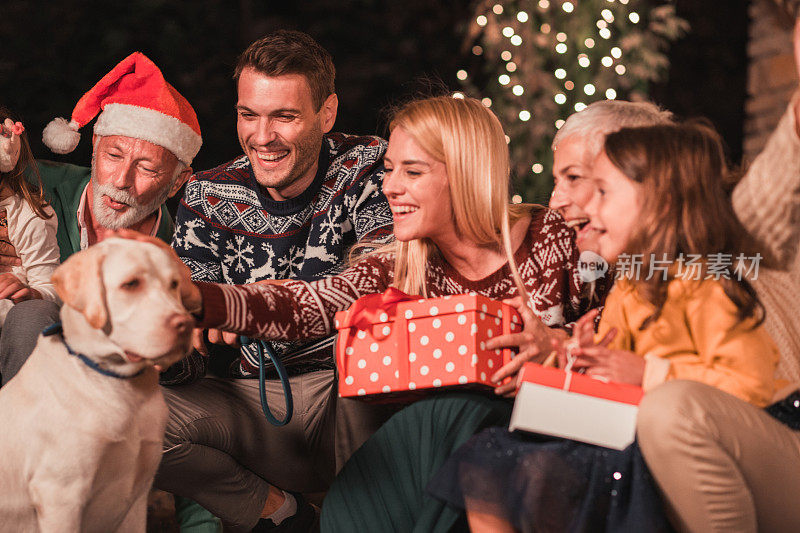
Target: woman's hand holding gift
{"x":534,"y":343}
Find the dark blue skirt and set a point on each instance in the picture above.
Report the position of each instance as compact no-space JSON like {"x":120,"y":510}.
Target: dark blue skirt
{"x":547,"y":484}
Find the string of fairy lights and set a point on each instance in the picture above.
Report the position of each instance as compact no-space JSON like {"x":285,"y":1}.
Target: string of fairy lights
{"x":534,"y":62}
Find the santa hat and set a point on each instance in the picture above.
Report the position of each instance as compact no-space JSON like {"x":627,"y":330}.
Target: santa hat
{"x":136,"y":102}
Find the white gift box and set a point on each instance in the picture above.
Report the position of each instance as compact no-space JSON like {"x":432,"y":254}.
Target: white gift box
{"x":549,"y":410}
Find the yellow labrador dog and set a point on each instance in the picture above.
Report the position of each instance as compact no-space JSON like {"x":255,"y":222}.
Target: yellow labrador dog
{"x":83,"y":421}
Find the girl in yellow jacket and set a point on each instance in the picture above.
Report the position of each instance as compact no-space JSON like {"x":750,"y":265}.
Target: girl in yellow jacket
{"x":682,"y":307}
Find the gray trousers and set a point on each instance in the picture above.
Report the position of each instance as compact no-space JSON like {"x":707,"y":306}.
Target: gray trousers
{"x":24,"y":322}
{"x":221,"y":452}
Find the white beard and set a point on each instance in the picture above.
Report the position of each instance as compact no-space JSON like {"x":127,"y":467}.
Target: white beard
{"x":135,"y":213}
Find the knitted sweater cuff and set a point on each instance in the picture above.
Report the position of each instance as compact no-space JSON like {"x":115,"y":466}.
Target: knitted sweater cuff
{"x":215,"y":312}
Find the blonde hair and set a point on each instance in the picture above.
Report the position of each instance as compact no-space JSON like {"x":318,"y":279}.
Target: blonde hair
{"x":469,"y":140}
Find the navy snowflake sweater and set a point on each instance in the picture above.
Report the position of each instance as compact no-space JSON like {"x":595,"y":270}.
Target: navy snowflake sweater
{"x":229,"y":230}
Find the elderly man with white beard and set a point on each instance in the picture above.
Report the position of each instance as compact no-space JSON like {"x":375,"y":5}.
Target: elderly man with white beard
{"x":145,"y":138}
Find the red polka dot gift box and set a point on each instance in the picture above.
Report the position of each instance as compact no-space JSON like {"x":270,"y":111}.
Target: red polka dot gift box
{"x":393,"y":343}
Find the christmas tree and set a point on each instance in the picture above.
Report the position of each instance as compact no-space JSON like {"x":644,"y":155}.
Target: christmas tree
{"x":535,"y":62}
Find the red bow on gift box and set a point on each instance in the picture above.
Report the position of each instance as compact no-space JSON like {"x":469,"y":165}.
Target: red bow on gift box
{"x":370,"y":309}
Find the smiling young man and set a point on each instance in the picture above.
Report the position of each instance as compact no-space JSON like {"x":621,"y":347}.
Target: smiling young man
{"x":290,"y":207}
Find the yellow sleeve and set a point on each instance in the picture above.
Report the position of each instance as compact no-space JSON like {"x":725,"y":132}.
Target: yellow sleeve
{"x":731,"y":356}
{"x":613,"y":317}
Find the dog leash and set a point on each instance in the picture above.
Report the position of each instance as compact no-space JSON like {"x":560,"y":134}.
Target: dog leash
{"x":263,"y":348}
{"x":57,"y":329}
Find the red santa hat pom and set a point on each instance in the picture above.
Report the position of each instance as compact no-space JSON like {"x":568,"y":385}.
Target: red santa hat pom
{"x":61,"y":136}
{"x":132,"y":100}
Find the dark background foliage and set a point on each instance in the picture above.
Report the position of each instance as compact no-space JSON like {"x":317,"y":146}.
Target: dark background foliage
{"x":385,"y":51}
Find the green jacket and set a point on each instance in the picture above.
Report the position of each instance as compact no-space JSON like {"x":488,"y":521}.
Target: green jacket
{"x":63,"y":186}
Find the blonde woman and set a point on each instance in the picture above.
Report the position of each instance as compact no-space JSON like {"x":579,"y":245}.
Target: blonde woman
{"x":447,"y":182}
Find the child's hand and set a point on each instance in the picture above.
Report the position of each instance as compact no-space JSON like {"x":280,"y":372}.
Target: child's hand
{"x":534,"y":343}
{"x":582,"y":337}
{"x":9,"y":144}
{"x":11,"y":288}
{"x":597,"y":359}
{"x":621,"y":366}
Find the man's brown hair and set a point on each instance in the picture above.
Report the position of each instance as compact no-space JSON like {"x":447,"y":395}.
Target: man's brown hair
{"x":291,"y":52}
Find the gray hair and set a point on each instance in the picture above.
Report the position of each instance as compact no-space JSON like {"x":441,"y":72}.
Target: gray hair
{"x":598,"y":119}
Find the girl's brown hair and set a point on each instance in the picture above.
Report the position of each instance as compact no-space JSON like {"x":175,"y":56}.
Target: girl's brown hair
{"x":685,"y":208}
{"x":16,"y":180}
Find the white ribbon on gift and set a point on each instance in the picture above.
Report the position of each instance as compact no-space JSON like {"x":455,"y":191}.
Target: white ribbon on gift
{"x":571,"y":361}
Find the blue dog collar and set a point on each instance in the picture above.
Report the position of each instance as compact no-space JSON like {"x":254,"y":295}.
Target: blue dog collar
{"x":56,"y":329}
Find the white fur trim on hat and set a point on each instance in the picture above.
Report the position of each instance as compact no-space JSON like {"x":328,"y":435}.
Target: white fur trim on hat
{"x":152,"y":126}
{"x":61,"y":136}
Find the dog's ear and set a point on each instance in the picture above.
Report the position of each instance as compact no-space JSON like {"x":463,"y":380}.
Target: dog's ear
{"x":79,"y":284}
